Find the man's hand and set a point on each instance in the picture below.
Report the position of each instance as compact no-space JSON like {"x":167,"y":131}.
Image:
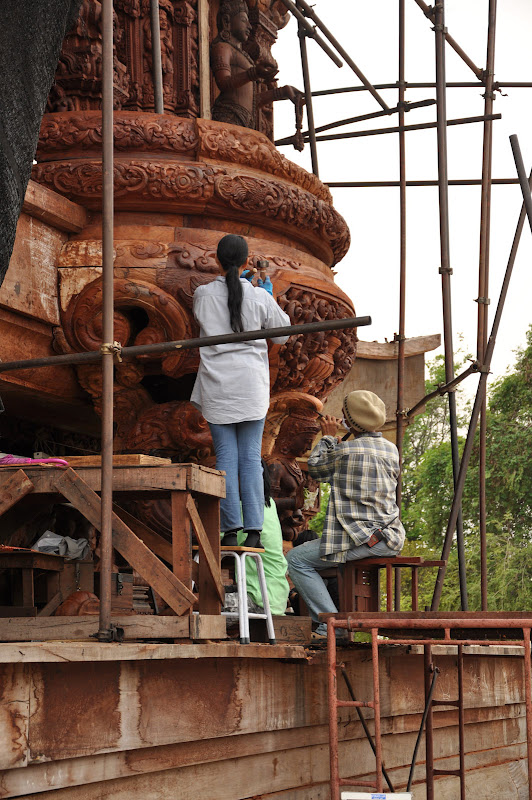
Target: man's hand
{"x":329,"y":425}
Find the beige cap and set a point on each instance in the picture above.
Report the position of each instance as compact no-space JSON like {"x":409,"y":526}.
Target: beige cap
{"x":364,"y":411}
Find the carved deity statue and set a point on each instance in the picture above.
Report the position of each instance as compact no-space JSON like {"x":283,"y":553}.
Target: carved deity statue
{"x":236,"y":73}
{"x":288,"y":481}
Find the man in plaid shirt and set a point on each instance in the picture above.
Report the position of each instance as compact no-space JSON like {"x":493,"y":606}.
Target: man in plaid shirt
{"x":362,"y":518}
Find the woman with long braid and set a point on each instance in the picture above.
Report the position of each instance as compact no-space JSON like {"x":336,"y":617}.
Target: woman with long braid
{"x":232,"y":388}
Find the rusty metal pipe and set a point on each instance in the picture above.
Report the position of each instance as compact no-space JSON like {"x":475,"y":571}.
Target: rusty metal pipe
{"x":436,"y":623}
{"x":524,"y":183}
{"x":106,"y":538}
{"x":447,"y":387}
{"x":468,"y":447}
{"x":157,"y":66}
{"x":426,"y":85}
{"x":332,"y":693}
{"x":528,"y":705}
{"x":309,"y":12}
{"x":387,"y":184}
{"x":445,"y":270}
{"x":361,"y":118}
{"x":461,"y":721}
{"x":428,"y":701}
{"x":308,"y":98}
{"x":421,"y":126}
{"x":188,"y":344}
{"x":312,"y":32}
{"x":377,"y":702}
{"x":364,"y":724}
{"x":429,"y":735}
{"x":400,"y":419}
{"x":431,"y":12}
{"x":483,"y":287}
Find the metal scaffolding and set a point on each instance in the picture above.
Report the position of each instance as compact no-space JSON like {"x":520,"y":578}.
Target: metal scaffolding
{"x":485,"y":77}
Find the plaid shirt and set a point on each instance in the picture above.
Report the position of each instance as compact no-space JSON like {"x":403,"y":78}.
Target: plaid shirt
{"x":363,"y":476}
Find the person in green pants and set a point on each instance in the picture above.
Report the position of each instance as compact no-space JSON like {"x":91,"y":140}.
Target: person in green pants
{"x":273,"y":559}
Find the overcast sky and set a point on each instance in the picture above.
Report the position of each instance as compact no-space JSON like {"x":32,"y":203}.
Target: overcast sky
{"x":369,"y":273}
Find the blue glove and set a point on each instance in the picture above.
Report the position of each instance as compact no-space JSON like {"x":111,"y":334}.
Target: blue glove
{"x":266,"y":284}
{"x":248,"y":274}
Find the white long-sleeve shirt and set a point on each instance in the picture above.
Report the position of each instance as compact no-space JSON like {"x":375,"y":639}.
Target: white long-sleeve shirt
{"x":233,"y":380}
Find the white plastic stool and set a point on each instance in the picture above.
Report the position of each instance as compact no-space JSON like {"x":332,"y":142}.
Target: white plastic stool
{"x":240,"y":554}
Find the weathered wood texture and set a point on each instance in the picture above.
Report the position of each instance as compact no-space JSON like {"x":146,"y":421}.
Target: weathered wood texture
{"x":136,"y":553}
{"x":135,"y":627}
{"x":245,"y":728}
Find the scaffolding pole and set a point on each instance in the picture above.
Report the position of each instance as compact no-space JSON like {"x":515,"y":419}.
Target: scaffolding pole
{"x":483,"y":288}
{"x":106,"y":531}
{"x":446,"y":271}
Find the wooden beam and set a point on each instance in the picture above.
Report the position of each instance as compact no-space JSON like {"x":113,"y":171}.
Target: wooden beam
{"x":141,"y":626}
{"x":205,"y":549}
{"x":208,"y":626}
{"x":140,"y":557}
{"x":13,"y":488}
{"x":161,"y":547}
{"x":204,"y":59}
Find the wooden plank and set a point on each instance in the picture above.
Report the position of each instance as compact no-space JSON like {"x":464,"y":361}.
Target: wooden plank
{"x":205,"y":480}
{"x":50,"y":606}
{"x":140,"y":557}
{"x":30,"y":559}
{"x":13,"y":488}
{"x":205,"y":549}
{"x":54,"y":209}
{"x":288,"y":628}
{"x":140,"y":626}
{"x":161,"y":547}
{"x":125,"y":479}
{"x":181,"y":538}
{"x":59,"y":652}
{"x":17,"y":611}
{"x":209,"y":511}
{"x":208,"y":626}
{"x":119,"y":460}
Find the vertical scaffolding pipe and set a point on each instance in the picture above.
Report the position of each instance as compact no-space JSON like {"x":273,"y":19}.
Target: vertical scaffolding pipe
{"x":528,"y":705}
{"x":468,"y":447}
{"x":376,"y":707}
{"x":106,"y":541}
{"x":483,"y":286}
{"x":429,"y":733}
{"x":301,"y":32}
{"x":333,"y":710}
{"x":402,"y":264}
{"x":445,"y":268}
{"x":156,"y":61}
{"x":461,"y":721}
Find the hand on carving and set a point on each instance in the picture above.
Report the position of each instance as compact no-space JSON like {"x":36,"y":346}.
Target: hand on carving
{"x":288,"y":93}
{"x":329,"y":425}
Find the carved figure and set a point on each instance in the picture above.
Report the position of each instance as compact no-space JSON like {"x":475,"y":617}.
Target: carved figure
{"x":235,"y":72}
{"x":295,"y":437}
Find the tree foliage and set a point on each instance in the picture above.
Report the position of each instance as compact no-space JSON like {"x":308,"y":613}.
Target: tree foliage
{"x":428,"y":490}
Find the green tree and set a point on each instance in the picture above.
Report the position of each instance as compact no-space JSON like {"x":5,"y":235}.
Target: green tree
{"x":427,"y":491}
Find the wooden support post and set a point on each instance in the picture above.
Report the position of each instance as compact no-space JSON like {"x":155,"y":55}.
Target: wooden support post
{"x":172,"y":590}
{"x":209,"y":597}
{"x":207,"y":557}
{"x":181,"y":538}
{"x":204,"y":59}
{"x":13,"y":489}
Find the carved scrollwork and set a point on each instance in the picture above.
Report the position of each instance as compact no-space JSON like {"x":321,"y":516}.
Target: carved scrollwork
{"x":314,"y":363}
{"x":164,"y":320}
{"x":174,"y":429}
{"x":152,"y":132}
{"x":231,"y":143}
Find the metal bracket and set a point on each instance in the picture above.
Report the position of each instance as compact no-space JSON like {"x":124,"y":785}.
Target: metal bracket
{"x":445,"y":270}
{"x":485,"y":301}
{"x":119,"y":584}
{"x":484,"y":369}
{"x":114,"y":634}
{"x":399,"y":337}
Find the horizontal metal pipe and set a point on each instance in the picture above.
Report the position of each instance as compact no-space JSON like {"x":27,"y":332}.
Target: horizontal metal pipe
{"x":441,"y":623}
{"x":426,"y":85}
{"x":187,"y":344}
{"x":417,"y":127}
{"x":386,"y":184}
{"x":361,"y":118}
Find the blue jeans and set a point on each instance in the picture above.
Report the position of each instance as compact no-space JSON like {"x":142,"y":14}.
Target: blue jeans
{"x":238,"y":452}
{"x":304,"y":566}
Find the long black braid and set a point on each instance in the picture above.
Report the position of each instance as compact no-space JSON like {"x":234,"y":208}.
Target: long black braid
{"x":232,"y":253}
